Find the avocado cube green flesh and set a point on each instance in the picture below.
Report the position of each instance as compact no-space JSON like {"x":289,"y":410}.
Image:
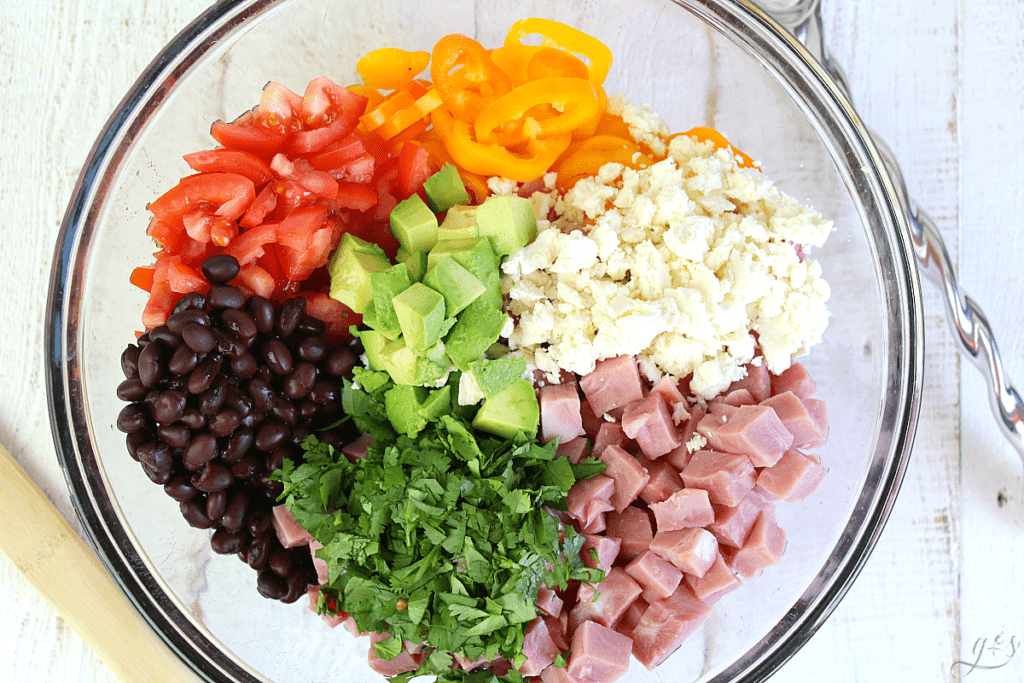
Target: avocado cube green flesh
{"x":456,"y":284}
{"x":373,"y":345}
{"x":420,"y":312}
{"x":478,"y":327}
{"x":511,"y":410}
{"x":438,"y":403}
{"x":508,"y":221}
{"x":386,"y":285}
{"x":445,"y":189}
{"x":402,"y":403}
{"x":492,"y":376}
{"x":350,"y":270}
{"x":459,"y":223}
{"x":414,"y":225}
{"x":415,"y":261}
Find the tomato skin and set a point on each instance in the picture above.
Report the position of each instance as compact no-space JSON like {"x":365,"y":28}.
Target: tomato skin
{"x":336,"y":316}
{"x":256,"y":139}
{"x":183,"y":279}
{"x":249,"y":245}
{"x":229,"y":194}
{"x":356,"y":196}
{"x":264,"y":203}
{"x":414,"y":168}
{"x":158,"y":308}
{"x":296,"y":230}
{"x":171,"y":237}
{"x":142,"y":277}
{"x":230,"y":161}
{"x":329,"y":112}
{"x":257,"y":280}
{"x":299,"y":264}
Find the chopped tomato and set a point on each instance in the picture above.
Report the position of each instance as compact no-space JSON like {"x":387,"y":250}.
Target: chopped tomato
{"x":248,"y":137}
{"x":184,"y":279}
{"x":142,"y":277}
{"x":158,"y":308}
{"x":264,"y":203}
{"x":249,"y":245}
{"x":278,"y":107}
{"x":230,"y":161}
{"x":414,"y":168}
{"x":346,"y":159}
{"x":296,"y":230}
{"x":171,"y":237}
{"x":335,"y":315}
{"x":329,"y":113}
{"x":356,"y":196}
{"x":298,"y":264}
{"x":227,"y":195}
{"x":257,"y":280}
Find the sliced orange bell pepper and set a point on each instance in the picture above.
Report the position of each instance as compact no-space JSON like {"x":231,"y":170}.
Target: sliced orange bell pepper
{"x":565,"y":37}
{"x":574,"y":98}
{"x":390,"y":68}
{"x":465,"y":76}
{"x":703,"y":134}
{"x":587,"y":162}
{"x":395,"y":103}
{"x":549,"y":62}
{"x":514,"y":60}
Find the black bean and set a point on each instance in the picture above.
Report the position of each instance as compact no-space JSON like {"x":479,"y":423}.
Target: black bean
{"x":300,"y":380}
{"x":244,"y":366}
{"x":199,"y":338}
{"x":194,"y":512}
{"x":299,"y":434}
{"x":271,"y":586}
{"x":136,"y":439}
{"x":169,"y":406}
{"x":281,"y":561}
{"x":200,"y":450}
{"x":262,"y":395}
{"x":212,"y":400}
{"x":296,"y":587}
{"x":307,"y":408}
{"x":310,"y":326}
{"x":191,"y":301}
{"x":130,"y":361}
{"x":275,"y":460}
{"x":233,"y":518}
{"x":215,"y":504}
{"x":312,"y":349}
{"x":156,"y":456}
{"x":247,"y":467}
{"x":340,"y":361}
{"x":132,"y":418}
{"x":285,"y":411}
{"x":288,"y":316}
{"x":238,"y":445}
{"x":183,"y":361}
{"x":237,"y":401}
{"x":131,"y":390}
{"x":277,"y":356}
{"x":271,"y":435}
{"x":156,"y":476}
{"x":221,"y":268}
{"x":262,"y":312}
{"x":258,"y":553}
{"x":151,"y":365}
{"x":229,"y":343}
{"x":174,"y":435}
{"x":265,"y":374}
{"x":213,"y":477}
{"x":271,"y":488}
{"x":177,"y":322}
{"x":164,"y":335}
{"x":225,"y":296}
{"x":226,"y":543}
{"x":193,"y":419}
{"x":333,"y":437}
{"x":224,"y":422}
{"x":240,"y":323}
{"x":200,"y":379}
{"x":260,"y":519}
{"x":180,"y":489}
{"x":324,"y":391}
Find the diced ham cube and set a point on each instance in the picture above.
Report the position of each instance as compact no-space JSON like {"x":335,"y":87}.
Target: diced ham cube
{"x":574,"y":449}
{"x":560,"y":412}
{"x":332,"y":620}
{"x":738,"y":397}
{"x":591,"y":422}
{"x":614,"y":595}
{"x":585,"y":492}
{"x":792,"y":478}
{"x":657,"y":577}
{"x":666,"y":624}
{"x":733,"y":524}
{"x":538,"y":646}
{"x":686,"y":436}
{"x":318,"y":564}
{"x":649,"y":422}
{"x":548,"y":601}
{"x":693,"y":551}
{"x":606,"y":548}
{"x":764,"y":547}
{"x":757,"y":381}
{"x":807,"y":423}
{"x":755,"y":431}
{"x":289,"y":533}
{"x":716,"y":582}
{"x":357,"y":449}
{"x":557,"y":674}
{"x":720,"y":409}
{"x":677,"y":458}
{"x":727,"y":477}
{"x":634,"y":530}
{"x":614,"y":383}
{"x":402,"y":662}
{"x":598,"y":523}
{"x":669,"y":388}
{"x":683,"y":509}
{"x":611,"y":434}
{"x":556,"y":629}
{"x":632,"y":617}
{"x":629,"y":475}
{"x":598,"y":653}
{"x":796,"y":379}
{"x":664,"y":480}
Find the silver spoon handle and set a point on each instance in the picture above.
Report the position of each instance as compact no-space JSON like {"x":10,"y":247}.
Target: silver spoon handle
{"x":803,"y":19}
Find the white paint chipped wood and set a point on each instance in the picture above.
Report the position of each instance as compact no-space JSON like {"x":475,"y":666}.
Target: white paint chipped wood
{"x":940,"y":80}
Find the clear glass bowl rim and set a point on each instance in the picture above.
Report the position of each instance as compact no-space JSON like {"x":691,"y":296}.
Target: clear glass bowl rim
{"x":68,"y":411}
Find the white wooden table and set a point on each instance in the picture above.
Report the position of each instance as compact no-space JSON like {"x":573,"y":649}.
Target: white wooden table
{"x":941,"y":80}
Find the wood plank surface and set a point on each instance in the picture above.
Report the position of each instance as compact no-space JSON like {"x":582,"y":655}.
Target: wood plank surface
{"x":940,"y":80}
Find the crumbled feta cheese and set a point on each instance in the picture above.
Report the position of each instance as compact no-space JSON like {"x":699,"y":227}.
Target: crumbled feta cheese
{"x":502,"y":186}
{"x":470,"y":392}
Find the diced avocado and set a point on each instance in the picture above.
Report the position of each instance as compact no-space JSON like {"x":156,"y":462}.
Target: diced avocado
{"x":438,"y":403}
{"x":477,"y":256}
{"x":380,"y":312}
{"x":373,"y":345}
{"x":414,"y":225}
{"x":456,"y":284}
{"x":511,"y":410}
{"x":494,"y":375}
{"x":415,"y":261}
{"x":445,"y":189}
{"x":420,"y":312}
{"x":458,"y":224}
{"x":407,"y":366}
{"x":477,"y":327}
{"x":350,"y":268}
{"x":402,"y":403}
{"x":508,"y":221}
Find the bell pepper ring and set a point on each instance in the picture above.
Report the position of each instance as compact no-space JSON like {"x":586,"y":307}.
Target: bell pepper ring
{"x":575,"y":99}
{"x":565,"y":37}
{"x":493,"y":159}
{"x":514,"y":60}
{"x":465,"y":76}
{"x":390,"y":68}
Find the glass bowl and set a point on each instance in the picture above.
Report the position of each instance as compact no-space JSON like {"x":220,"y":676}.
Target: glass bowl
{"x":697,"y":62}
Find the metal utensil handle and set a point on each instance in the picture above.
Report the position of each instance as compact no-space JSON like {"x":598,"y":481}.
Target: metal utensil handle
{"x":803,"y":19}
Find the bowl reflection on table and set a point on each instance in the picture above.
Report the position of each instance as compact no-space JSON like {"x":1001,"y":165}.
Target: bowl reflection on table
{"x":698,"y":63}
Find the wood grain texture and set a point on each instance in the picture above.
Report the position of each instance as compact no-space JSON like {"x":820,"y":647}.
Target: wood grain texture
{"x":940,"y":80}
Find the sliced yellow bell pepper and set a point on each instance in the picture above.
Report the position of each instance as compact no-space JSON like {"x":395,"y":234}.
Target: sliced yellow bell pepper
{"x":575,"y":100}
{"x":465,"y":76}
{"x":390,"y":68}
{"x":565,"y":37}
